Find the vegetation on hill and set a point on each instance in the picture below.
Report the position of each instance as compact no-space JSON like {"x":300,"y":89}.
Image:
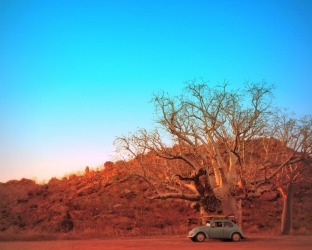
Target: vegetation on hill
{"x":99,"y":203}
{"x":110,"y":203}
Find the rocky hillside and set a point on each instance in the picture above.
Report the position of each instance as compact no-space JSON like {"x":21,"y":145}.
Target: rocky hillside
{"x":106,"y":203}
{"x":100,"y":202}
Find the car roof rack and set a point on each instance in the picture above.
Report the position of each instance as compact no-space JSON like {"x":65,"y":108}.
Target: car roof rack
{"x":219,"y":217}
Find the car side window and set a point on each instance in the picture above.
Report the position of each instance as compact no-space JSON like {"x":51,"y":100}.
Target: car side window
{"x":218,"y":224}
{"x":228,"y":224}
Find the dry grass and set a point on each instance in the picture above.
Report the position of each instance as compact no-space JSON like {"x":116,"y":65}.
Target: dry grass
{"x":89,"y":233}
{"x":13,"y":235}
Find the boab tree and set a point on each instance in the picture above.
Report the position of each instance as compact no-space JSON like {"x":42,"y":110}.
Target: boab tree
{"x":204,"y":146}
{"x":295,"y":137}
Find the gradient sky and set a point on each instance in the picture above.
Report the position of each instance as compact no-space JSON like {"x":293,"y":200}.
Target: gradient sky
{"x":76,"y":74}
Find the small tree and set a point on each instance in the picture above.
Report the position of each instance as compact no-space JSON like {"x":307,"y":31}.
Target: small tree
{"x":295,"y":136}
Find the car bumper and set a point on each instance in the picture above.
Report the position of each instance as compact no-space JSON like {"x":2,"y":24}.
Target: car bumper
{"x":191,"y":235}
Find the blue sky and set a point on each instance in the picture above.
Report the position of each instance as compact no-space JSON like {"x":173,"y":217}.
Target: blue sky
{"x":76,"y":74}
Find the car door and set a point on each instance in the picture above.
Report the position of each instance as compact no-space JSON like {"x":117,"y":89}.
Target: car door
{"x":216,"y":230}
{"x":227,"y":229}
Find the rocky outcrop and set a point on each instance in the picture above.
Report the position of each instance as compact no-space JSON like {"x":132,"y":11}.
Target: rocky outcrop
{"x":104,"y":202}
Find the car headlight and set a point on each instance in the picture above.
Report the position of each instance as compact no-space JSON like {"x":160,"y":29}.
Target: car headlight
{"x":192,"y":232}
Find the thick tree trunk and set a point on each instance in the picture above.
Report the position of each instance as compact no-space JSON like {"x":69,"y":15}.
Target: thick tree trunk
{"x":230,"y":205}
{"x":287,"y":210}
{"x":209,"y":206}
{"x":233,"y":207}
{"x":203,"y":214}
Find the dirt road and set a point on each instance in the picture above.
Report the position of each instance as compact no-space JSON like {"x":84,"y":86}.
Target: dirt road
{"x":164,"y":243}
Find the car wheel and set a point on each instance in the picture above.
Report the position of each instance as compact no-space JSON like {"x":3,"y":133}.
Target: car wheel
{"x":193,"y":239}
{"x":236,"y":237}
{"x":200,"y":237}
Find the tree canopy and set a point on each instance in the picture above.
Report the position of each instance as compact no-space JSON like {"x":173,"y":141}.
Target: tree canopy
{"x":216,"y":145}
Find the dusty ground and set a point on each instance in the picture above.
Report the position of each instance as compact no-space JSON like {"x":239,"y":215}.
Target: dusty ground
{"x":163,"y":243}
